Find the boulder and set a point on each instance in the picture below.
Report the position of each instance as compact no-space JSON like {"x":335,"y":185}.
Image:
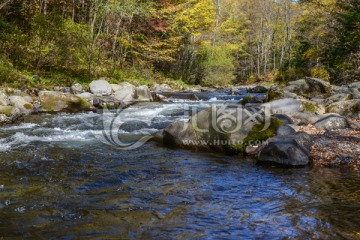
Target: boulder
{"x":100,"y":87}
{"x":258,"y":89}
{"x":115,"y":87}
{"x":63,"y":89}
{"x":162,"y":88}
{"x":28,"y":99}
{"x":143,"y":93}
{"x":10,"y":114}
{"x":304,"y":118}
{"x":86,"y":95}
{"x":309,"y":87}
{"x":52,"y":101}
{"x":183,"y":135}
{"x":338,"y":98}
{"x":11,"y":91}
{"x":341,"y":90}
{"x":125,"y":94}
{"x":108,"y":102}
{"x":232,"y":133}
{"x":291,"y":150}
{"x":275,"y":94}
{"x":318,"y":100}
{"x":331,"y":122}
{"x":157,"y":97}
{"x":252,"y":99}
{"x":285,"y":130}
{"x":4,"y":100}
{"x":313,"y":107}
{"x":284,"y":118}
{"x":77,"y":88}
{"x":355,"y":85}
{"x":349,"y":108}
{"x":284,"y":106}
{"x":20,"y":103}
{"x":355,"y":93}
{"x":215,"y":129}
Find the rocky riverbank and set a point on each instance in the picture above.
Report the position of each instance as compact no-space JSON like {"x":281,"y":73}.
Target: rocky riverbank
{"x":308,"y":122}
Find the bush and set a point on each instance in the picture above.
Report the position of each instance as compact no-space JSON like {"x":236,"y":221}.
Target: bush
{"x":320,"y":73}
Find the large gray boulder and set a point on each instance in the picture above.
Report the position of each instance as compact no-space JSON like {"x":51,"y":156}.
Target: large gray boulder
{"x":313,"y":107}
{"x":338,"y":98}
{"x":100,"y":87}
{"x":115,"y":87}
{"x":304,"y":118}
{"x":331,"y":122}
{"x":125,"y":94}
{"x":10,"y":114}
{"x":349,"y":108}
{"x":86,"y":95}
{"x":309,"y":87}
{"x":292,"y":150}
{"x":340,"y":90}
{"x":19,"y":102}
{"x":77,"y":88}
{"x":4,"y":100}
{"x":355,"y":85}
{"x":285,"y":130}
{"x":284,"y":106}
{"x":52,"y":101}
{"x":143,"y":93}
{"x":182,"y":135}
{"x":226,"y":130}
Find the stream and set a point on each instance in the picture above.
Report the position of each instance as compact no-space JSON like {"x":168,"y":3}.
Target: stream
{"x":57,"y":180}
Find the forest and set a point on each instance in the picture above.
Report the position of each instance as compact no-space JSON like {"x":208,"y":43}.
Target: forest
{"x":201,"y":42}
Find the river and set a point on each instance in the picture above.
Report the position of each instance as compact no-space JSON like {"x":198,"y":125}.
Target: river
{"x":57,"y":180}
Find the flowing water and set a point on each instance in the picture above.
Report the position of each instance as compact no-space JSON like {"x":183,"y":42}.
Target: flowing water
{"x":57,"y":180}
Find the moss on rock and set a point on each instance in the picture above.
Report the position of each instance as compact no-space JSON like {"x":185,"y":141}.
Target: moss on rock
{"x":273,"y":95}
{"x":258,"y":134}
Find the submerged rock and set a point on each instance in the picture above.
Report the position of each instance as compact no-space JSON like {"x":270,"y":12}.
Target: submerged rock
{"x":52,"y":101}
{"x":292,"y":150}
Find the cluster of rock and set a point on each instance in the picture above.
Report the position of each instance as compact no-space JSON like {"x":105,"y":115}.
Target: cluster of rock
{"x":304,"y":102}
{"x":319,"y":96}
{"x":14,"y":103}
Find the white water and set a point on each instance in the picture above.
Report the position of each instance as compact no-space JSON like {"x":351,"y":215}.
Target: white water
{"x":87,"y":127}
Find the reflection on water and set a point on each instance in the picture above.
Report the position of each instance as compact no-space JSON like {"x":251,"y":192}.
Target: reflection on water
{"x":51,"y":187}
